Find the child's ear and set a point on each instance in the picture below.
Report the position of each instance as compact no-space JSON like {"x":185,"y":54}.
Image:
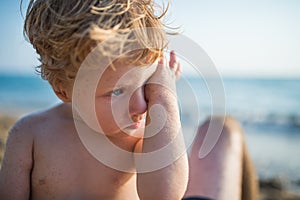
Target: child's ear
{"x":62,"y":92}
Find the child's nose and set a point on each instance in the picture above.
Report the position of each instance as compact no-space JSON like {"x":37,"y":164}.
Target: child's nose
{"x":137,"y":103}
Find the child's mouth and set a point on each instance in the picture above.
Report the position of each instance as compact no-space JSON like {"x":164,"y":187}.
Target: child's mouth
{"x":139,"y":124}
{"x":136,"y":125}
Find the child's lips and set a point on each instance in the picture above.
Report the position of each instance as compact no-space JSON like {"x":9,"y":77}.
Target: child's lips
{"x":136,"y":125}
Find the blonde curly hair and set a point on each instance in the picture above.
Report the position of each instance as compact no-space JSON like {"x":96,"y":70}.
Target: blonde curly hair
{"x":63,"y":32}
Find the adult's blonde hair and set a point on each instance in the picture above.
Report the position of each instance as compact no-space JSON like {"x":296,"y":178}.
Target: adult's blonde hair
{"x":63,"y":32}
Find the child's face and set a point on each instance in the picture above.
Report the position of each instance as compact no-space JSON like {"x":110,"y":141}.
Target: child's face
{"x":120,"y":100}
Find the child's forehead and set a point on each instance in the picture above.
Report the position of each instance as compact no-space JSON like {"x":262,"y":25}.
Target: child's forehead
{"x":124,"y":74}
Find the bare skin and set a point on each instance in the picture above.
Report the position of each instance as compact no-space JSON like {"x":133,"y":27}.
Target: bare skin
{"x":227,"y":171}
{"x":45,"y":158}
{"x":60,"y":167}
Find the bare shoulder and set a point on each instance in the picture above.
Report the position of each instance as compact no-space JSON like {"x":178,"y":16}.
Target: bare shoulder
{"x":20,"y":142}
{"x":19,"y":146}
{"x":32,"y":123}
{"x":22,"y":131}
{"x":18,"y":157}
{"x":25,"y":126}
{"x":22,"y":134}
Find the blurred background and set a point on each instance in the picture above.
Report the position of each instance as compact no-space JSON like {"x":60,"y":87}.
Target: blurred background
{"x":255,"y":46}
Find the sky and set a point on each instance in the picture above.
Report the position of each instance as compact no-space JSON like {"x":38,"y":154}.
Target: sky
{"x":244,"y":38}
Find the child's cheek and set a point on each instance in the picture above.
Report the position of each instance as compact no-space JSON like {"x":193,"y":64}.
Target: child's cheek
{"x":103,"y":112}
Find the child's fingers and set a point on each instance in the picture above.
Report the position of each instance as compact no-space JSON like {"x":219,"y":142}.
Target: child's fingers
{"x":178,"y":71}
{"x":173,"y":63}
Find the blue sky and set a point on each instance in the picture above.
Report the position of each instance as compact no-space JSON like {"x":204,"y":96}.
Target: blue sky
{"x":256,"y":38}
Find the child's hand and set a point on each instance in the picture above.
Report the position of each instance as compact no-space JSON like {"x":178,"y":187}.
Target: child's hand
{"x":164,"y":78}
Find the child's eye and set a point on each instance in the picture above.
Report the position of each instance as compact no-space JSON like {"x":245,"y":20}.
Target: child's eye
{"x":116,"y":92}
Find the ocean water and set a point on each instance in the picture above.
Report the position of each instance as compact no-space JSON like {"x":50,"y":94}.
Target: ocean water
{"x":268,"y":109}
{"x":22,"y":94}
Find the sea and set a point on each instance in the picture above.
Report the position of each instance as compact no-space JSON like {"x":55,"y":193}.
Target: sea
{"x":267,"y":109}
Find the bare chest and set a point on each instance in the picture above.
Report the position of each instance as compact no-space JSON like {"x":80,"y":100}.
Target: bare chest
{"x":64,"y":169}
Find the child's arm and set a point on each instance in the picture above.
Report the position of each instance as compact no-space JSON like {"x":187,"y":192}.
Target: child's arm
{"x":169,"y":182}
{"x":17,"y":163}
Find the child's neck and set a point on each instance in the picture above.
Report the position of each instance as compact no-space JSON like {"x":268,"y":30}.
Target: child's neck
{"x":66,"y":110}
